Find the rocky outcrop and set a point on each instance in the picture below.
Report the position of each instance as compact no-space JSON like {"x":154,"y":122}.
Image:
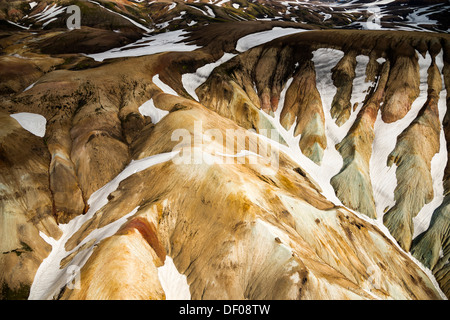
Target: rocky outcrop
{"x":432,"y":246}
{"x":232,"y":102}
{"x":303,"y":108}
{"x":68,"y":163}
{"x":402,"y":87}
{"x":356,"y":150}
{"x":343,"y":75}
{"x":263,"y":229}
{"x":123,"y":267}
{"x":97,"y":149}
{"x":397,"y":89}
{"x":18,"y":72}
{"x":26,"y":207}
{"x":414,"y":150}
{"x":68,"y":197}
{"x":258,"y":76}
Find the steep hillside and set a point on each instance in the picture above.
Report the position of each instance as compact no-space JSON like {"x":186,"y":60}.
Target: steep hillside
{"x":145,"y":156}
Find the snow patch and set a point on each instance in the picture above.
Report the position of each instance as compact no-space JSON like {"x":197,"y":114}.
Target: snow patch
{"x":221,"y":2}
{"x":29,"y":87}
{"x":191,"y":81}
{"x":18,"y":25}
{"x":419,"y":16}
{"x":50,"y":278}
{"x":48,"y":13}
{"x":174,"y":283}
{"x":48,"y":22}
{"x":173,"y":5}
{"x":324,"y":60}
{"x":32,"y":122}
{"x":148,"y":109}
{"x":438,"y":163}
{"x":326,"y":16}
{"x":210,"y":12}
{"x":258,"y":38}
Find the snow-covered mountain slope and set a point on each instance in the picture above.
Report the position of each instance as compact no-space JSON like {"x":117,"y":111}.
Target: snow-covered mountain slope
{"x":166,"y":15}
{"x":176,"y":150}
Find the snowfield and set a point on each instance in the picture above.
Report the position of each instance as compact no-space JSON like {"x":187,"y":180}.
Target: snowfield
{"x":191,"y":81}
{"x":439,"y":161}
{"x":148,"y":109}
{"x":382,"y":177}
{"x":32,"y":122}
{"x":163,"y":42}
{"x":258,"y":38}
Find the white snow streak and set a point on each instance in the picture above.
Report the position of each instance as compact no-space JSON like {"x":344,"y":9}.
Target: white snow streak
{"x":164,"y":87}
{"x":125,"y":17}
{"x":383,"y":178}
{"x":50,"y":278}
{"x":148,"y":109}
{"x":324,"y":60}
{"x":438,"y":163}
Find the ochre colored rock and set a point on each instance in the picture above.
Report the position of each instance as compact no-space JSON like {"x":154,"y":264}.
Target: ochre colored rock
{"x":414,"y":150}
{"x":343,"y":75}
{"x":402,"y":88}
{"x":245,"y":228}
